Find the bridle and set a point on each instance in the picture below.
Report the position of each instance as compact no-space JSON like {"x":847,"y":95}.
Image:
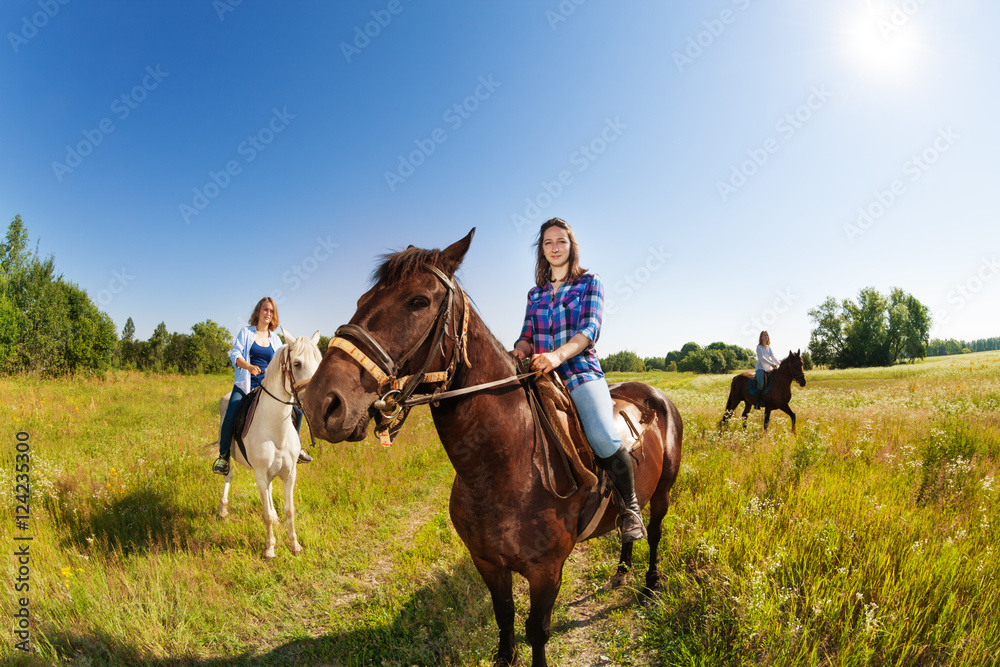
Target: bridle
{"x":800,"y":378}
{"x":395,"y":392}
{"x":293,"y":387}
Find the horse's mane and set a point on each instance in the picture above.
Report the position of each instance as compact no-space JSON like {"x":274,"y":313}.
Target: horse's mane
{"x":398,"y":266}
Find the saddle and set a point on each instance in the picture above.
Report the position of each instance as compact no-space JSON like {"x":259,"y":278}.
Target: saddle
{"x":557,"y":420}
{"x":752,"y":385}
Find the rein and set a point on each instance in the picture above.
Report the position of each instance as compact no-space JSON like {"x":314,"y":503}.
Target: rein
{"x":294,"y":388}
{"x":397,"y":393}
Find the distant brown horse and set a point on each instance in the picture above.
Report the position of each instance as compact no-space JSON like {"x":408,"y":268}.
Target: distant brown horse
{"x":778,"y":394}
{"x":512,"y":516}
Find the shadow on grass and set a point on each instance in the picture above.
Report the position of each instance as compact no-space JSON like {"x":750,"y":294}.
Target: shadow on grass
{"x":447,"y":621}
{"x":135,"y":523}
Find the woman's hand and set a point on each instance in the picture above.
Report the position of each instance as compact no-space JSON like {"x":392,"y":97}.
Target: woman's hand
{"x":545,"y":362}
{"x":522,"y":350}
{"x":254,"y":370}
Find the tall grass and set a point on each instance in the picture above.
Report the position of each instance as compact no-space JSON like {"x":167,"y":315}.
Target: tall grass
{"x":868,"y":539}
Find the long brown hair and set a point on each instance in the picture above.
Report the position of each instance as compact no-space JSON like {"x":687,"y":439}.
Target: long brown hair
{"x":762,"y":336}
{"x":273,"y":324}
{"x":542,"y":264}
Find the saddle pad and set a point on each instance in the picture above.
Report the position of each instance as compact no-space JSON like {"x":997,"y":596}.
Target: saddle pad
{"x":244,"y":415}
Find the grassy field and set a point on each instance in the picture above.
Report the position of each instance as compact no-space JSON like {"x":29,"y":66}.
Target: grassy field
{"x":868,"y":539}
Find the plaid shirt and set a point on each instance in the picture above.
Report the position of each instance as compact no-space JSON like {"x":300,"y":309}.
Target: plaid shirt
{"x":552,"y":318}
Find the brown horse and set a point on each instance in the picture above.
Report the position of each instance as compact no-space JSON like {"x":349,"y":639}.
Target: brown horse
{"x":778,"y":394}
{"x":510,"y":517}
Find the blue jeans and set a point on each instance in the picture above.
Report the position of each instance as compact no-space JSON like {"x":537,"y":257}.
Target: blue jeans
{"x":226,"y":431}
{"x":760,"y":380}
{"x":597,"y":414}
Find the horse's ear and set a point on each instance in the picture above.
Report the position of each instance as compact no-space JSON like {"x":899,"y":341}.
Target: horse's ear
{"x":315,"y":338}
{"x":791,"y":354}
{"x":285,"y":334}
{"x":799,"y":353}
{"x":452,"y":256}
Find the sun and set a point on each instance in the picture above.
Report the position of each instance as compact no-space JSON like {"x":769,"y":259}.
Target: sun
{"x":883,"y":44}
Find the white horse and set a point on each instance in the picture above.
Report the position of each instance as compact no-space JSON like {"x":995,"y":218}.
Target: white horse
{"x":272,"y":443}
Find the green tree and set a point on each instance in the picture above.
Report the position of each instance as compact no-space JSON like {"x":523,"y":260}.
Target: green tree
{"x":212,"y":342}
{"x":827,"y":341}
{"x":626,"y":361}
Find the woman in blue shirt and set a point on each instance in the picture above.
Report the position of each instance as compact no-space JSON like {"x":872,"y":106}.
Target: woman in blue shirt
{"x":252,"y":351}
{"x":561,"y":325}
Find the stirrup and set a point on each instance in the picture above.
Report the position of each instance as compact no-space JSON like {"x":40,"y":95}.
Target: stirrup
{"x":221,"y":466}
{"x":630,"y":536}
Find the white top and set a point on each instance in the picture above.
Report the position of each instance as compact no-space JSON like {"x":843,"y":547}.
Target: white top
{"x":241,"y":350}
{"x":766,"y":361}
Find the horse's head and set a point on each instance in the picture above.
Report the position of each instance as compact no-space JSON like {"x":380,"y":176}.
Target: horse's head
{"x":796,"y":367}
{"x":397,"y":331}
{"x":301,"y":360}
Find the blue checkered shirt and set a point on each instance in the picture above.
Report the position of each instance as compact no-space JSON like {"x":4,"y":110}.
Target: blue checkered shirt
{"x":553,"y":317}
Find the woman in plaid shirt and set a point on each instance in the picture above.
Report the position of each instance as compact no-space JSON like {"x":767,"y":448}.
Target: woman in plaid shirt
{"x":561,"y":325}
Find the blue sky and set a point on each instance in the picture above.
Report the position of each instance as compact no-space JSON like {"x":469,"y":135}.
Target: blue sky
{"x":727,"y":165}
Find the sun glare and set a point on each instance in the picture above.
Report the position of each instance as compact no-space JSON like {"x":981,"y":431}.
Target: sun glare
{"x":882,"y":47}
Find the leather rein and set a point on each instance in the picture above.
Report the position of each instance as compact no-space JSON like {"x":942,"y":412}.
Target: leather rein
{"x":397,"y":393}
{"x":294,"y":387}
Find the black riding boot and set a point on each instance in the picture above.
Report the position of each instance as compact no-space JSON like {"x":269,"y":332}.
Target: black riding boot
{"x":619,"y":469}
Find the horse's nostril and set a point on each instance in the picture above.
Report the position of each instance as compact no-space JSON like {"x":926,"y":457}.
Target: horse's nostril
{"x":333,"y":406}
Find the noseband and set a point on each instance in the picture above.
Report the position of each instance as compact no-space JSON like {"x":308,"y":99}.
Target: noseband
{"x":395,"y":391}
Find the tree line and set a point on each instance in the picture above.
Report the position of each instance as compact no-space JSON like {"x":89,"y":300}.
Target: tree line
{"x":49,"y":326}
{"x":714,"y":358}
{"x":939,"y":348}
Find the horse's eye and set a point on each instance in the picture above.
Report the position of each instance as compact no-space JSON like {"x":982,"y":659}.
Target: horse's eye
{"x":419,"y":303}
{"x":298,"y":364}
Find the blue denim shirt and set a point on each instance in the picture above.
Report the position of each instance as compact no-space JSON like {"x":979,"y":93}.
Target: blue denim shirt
{"x":241,"y":350}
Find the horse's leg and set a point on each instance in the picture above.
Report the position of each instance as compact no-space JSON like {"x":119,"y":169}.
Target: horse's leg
{"x":624,"y":566}
{"x":658,"y":506}
{"x":270,"y":502}
{"x":747,"y":406}
{"x":788,"y":411}
{"x":224,"y":504}
{"x":267,"y":512}
{"x":767,"y":416}
{"x":543,"y":582}
{"x":288,"y":484}
{"x":498,"y":580}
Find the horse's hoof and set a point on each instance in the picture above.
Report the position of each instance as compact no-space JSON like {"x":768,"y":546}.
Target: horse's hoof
{"x":296,"y":550}
{"x":223,"y":512}
{"x":268,"y":555}
{"x":619,"y":580}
